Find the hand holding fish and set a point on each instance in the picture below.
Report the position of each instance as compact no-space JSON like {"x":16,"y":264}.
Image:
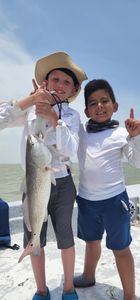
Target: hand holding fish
{"x":39,"y":94}
{"x":42,"y":99}
{"x":45,"y":110}
{"x":42,"y":91}
{"x":132,"y":125}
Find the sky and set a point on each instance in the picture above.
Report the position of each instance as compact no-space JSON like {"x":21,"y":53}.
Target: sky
{"x":102,"y":37}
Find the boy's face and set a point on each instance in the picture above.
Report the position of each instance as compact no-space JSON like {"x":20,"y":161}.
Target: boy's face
{"x":100,"y":106}
{"x":61,"y":83}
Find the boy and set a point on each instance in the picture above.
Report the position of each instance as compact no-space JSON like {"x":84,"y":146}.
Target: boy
{"x":55,"y":73}
{"x":102,"y":201}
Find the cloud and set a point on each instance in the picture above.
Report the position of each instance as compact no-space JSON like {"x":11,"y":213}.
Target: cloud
{"x":16,"y":72}
{"x":16,"y":68}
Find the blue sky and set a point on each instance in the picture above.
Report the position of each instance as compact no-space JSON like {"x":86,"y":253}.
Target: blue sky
{"x":102,"y":36}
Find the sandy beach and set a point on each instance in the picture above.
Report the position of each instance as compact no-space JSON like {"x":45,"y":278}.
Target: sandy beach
{"x":17,"y":282}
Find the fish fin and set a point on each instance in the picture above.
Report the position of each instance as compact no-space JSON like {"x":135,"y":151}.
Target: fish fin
{"x":26,"y":214}
{"x":55,"y":169}
{"x":47,"y":168}
{"x":53,"y":179}
{"x":30,"y":250}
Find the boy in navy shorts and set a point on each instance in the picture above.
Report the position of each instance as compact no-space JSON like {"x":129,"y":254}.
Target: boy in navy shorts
{"x":103,"y":203}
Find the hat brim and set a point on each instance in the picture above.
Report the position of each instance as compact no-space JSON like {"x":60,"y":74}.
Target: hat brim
{"x":58,"y":60}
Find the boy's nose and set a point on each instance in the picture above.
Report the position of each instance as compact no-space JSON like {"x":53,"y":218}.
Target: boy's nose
{"x":60,"y":84}
{"x":99,"y":104}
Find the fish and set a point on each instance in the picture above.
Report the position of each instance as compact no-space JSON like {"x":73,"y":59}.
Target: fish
{"x":39,"y":176}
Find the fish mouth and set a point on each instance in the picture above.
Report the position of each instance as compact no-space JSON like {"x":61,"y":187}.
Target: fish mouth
{"x":33,"y":139}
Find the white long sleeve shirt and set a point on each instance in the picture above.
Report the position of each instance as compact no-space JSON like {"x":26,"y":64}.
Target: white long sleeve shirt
{"x":12,"y":116}
{"x":100,"y":161}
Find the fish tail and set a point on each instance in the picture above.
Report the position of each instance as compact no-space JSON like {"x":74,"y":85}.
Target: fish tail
{"x":30,"y":250}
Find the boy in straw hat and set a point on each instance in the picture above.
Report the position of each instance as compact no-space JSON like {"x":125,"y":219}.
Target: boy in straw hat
{"x":59,"y":79}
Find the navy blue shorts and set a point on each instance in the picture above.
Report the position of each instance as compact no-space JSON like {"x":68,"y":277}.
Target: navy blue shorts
{"x":111,"y":215}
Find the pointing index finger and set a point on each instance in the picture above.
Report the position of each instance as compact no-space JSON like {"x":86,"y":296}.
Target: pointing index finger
{"x":132,"y":113}
{"x":34,"y":84}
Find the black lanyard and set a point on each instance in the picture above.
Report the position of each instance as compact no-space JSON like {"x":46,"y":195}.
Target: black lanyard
{"x":58,"y":102}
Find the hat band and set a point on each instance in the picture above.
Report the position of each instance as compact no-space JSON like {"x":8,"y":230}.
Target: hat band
{"x":66,"y":71}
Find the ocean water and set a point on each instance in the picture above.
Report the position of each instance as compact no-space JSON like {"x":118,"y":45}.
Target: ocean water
{"x":11,"y":177}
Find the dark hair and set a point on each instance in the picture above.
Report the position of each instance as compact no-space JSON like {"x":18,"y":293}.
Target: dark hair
{"x":95,"y":85}
{"x":68,"y":72}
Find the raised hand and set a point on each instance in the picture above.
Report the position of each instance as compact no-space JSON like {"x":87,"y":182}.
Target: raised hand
{"x":43,"y":101}
{"x":132,"y":125}
{"x":39,"y":96}
{"x":131,"y":113}
{"x":35,"y":87}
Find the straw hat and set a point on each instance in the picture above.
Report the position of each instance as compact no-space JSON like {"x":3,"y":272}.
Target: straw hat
{"x":58,"y":60}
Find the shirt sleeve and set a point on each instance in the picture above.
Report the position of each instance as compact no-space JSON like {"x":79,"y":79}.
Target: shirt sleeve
{"x":11,"y":115}
{"x":132,"y":150}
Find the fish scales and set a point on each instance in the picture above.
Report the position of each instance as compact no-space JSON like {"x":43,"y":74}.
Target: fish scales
{"x":38,"y":188}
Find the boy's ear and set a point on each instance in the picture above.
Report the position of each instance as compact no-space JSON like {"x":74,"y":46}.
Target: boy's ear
{"x":87,"y":113}
{"x":75,"y":90}
{"x":116,"y":105}
{"x":77,"y":87}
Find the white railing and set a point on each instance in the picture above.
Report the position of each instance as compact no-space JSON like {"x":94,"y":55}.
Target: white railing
{"x":16,"y":217}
